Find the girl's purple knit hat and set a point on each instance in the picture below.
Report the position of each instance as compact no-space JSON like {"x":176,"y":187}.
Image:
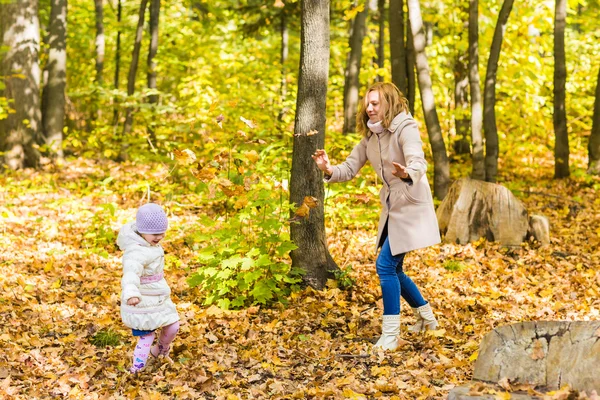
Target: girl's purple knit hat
{"x":151,"y":219}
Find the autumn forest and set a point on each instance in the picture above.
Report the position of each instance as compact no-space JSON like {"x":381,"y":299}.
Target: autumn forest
{"x":212,"y":109}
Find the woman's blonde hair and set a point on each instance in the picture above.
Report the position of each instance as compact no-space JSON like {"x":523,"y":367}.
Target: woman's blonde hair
{"x":391,"y":103}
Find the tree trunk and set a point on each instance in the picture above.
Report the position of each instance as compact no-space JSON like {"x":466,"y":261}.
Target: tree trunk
{"x":594,"y":143}
{"x":410,"y":68}
{"x":285,"y":46}
{"x":397,"y":46}
{"x":22,"y":129}
{"x":461,"y":105}
{"x":561,"y":146}
{"x":441,"y":167}
{"x":100,"y":42}
{"x":312,"y":254}
{"x":381,"y":44}
{"x":53,"y":98}
{"x":117,"y":62}
{"x":489,"y":95}
{"x":152,"y":50}
{"x":135,"y":56}
{"x":475,"y":90}
{"x":352,"y":83}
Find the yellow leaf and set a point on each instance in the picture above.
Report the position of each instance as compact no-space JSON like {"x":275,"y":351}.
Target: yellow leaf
{"x":503,"y":396}
{"x":251,"y":124}
{"x":252,"y":156}
{"x":474,"y":356}
{"x":57,"y":284}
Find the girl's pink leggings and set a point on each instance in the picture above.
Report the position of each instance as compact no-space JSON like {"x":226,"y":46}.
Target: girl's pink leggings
{"x":143,"y":348}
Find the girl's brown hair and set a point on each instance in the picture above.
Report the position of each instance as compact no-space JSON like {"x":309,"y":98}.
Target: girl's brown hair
{"x":391,"y":103}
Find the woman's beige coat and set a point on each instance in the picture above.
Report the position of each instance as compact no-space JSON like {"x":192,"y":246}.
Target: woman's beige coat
{"x":407,"y":206}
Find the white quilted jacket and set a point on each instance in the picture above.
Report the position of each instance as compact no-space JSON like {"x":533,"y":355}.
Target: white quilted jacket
{"x":141,"y":259}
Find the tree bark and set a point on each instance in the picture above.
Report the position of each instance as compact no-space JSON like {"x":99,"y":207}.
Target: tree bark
{"x":397,"y":45}
{"x":461,"y":105}
{"x":410,"y":68}
{"x":151,"y":63}
{"x":53,"y":100}
{"x":117,"y":62}
{"x":100,"y":42}
{"x":22,"y":129}
{"x":441,"y":166}
{"x":285,"y":47}
{"x":489,"y":95}
{"x":352,"y":83}
{"x":561,"y":144}
{"x":475,"y":91}
{"x":381,"y":43}
{"x":135,"y":56}
{"x":594,"y":143}
{"x":312,"y":254}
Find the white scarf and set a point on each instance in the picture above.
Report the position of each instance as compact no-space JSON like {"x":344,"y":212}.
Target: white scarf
{"x":375,"y":127}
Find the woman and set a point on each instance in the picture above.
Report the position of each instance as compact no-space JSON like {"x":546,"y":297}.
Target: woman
{"x":393,"y":145}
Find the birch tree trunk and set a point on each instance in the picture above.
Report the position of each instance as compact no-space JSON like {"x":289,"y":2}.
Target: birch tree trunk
{"x":461,"y":105}
{"x":441,"y":166}
{"x":53,"y":100}
{"x":397,"y":45}
{"x":312,"y":254}
{"x":352,"y":83}
{"x":594,"y":143}
{"x":489,"y":95}
{"x":475,"y":91}
{"x":561,"y":144}
{"x":22,"y":129}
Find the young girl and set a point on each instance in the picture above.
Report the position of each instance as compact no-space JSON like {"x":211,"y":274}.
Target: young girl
{"x":145,"y":299}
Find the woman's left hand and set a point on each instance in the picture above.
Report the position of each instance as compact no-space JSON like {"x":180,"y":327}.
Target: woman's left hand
{"x":399,"y":171}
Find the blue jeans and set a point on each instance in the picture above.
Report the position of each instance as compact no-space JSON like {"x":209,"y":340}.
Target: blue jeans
{"x":394,"y":282}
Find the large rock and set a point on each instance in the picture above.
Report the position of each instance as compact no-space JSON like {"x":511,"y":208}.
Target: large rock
{"x":473,"y":209}
{"x":547,"y":355}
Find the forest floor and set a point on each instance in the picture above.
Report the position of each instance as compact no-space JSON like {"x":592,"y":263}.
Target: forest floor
{"x":59,"y":290}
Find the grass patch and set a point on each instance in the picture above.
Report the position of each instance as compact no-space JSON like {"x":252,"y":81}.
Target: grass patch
{"x":106,"y":337}
{"x":454,"y":265}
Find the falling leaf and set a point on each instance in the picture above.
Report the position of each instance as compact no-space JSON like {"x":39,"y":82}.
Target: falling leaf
{"x":279,"y":4}
{"x":185,"y":156}
{"x":248,"y":122}
{"x":311,"y":201}
{"x":220,"y":119}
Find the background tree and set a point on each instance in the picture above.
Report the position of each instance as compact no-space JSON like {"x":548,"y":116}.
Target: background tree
{"x":411,"y":65}
{"x":478,"y":170}
{"x":594,"y":143}
{"x":19,"y":132}
{"x":152,"y":50}
{"x":135,"y":56}
{"x":489,"y":95}
{"x":441,"y":166}
{"x":53,"y":100}
{"x":312,"y":254}
{"x":100,"y":40}
{"x":380,"y":60}
{"x":561,"y":147}
{"x":397,"y":45}
{"x":117,"y":61}
{"x":351,"y":83}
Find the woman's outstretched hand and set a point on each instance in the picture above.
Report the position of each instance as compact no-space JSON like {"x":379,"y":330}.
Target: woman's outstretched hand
{"x":400,"y":171}
{"x":322,"y":161}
